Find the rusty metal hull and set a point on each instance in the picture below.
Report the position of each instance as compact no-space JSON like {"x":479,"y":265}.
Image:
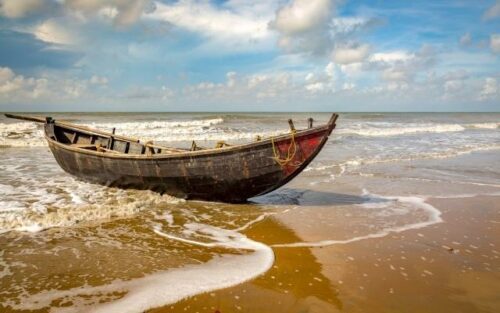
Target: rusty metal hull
{"x":231,"y":174}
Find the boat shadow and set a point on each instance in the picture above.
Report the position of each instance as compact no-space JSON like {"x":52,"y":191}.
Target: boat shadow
{"x":307,"y":197}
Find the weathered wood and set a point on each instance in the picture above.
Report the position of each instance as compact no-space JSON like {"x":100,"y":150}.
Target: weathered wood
{"x":229,"y":173}
{"x":26,"y":118}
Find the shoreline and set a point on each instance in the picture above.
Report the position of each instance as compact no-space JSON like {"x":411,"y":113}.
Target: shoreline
{"x":377,"y":273}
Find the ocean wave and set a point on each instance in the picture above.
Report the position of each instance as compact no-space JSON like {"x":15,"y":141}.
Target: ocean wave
{"x":26,"y":134}
{"x":157,"y":124}
{"x":359,"y":161}
{"x":398,"y":129}
{"x":484,"y":125}
{"x":48,"y":199}
{"x":385,"y":129}
{"x":22,"y":134}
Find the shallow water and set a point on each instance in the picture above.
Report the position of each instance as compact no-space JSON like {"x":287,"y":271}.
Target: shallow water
{"x":68,"y":245}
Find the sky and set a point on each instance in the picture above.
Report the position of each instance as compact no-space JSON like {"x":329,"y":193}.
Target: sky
{"x":237,"y":55}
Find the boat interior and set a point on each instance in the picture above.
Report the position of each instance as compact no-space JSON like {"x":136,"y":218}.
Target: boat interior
{"x":82,"y":137}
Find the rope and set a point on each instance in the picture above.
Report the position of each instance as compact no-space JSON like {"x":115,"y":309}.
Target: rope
{"x":221,"y":144}
{"x":290,"y":155}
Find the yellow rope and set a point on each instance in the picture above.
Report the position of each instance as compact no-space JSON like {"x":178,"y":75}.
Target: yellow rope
{"x":290,"y":154}
{"x":221,"y":144}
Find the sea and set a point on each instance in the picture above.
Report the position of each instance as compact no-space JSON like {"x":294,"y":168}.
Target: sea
{"x":67,"y":245}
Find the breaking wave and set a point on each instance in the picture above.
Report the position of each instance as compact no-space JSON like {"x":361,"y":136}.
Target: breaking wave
{"x":130,"y":126}
{"x":484,"y":125}
{"x":213,"y":129}
{"x":448,"y":153}
{"x":26,"y":134}
{"x":395,"y":129}
{"x":21,"y":134}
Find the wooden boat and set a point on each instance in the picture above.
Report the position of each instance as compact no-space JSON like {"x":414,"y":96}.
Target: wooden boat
{"x":226,"y":173}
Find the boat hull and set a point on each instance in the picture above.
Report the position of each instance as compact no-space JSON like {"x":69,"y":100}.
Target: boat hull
{"x":228,"y":175}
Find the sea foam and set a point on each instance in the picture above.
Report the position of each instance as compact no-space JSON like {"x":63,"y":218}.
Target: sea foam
{"x":417,"y":203}
{"x":170,"y":286}
{"x":26,"y":134}
{"x":395,"y":129}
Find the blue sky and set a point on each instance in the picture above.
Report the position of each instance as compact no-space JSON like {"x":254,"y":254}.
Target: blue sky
{"x":237,"y":55}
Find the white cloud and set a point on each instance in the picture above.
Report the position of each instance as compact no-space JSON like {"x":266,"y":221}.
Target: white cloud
{"x":206,"y":19}
{"x":303,"y":27}
{"x":51,"y":87}
{"x":315,"y":87}
{"x":19,"y":8}
{"x":330,"y":69}
{"x":391,"y":57}
{"x":391,"y":74}
{"x":120,"y":12}
{"x":344,"y":27}
{"x":5,"y":74}
{"x":231,"y":79}
{"x":233,"y":26}
{"x":495,"y":43}
{"x":9,"y":82}
{"x":108,"y":12}
{"x":350,"y":54}
{"x":98,"y":80}
{"x":321,"y":81}
{"x":148,"y":93}
{"x":302,"y":16}
{"x":399,"y":65}
{"x":452,"y":86}
{"x":51,"y":31}
{"x":348,"y":86}
{"x":493,"y":11}
{"x":465,"y":39}
{"x":256,"y":87}
{"x":352,"y":69}
{"x":490,"y":89}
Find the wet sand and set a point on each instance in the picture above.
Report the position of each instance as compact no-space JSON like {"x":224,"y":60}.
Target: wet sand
{"x":452,"y":266}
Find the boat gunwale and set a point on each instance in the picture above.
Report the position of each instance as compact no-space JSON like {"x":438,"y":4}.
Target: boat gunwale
{"x":230,"y":149}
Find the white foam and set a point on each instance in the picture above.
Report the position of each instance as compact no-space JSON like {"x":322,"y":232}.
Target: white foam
{"x":467,"y":195}
{"x":395,"y":129}
{"x":259,"y":219}
{"x":434,"y":217}
{"x":448,"y":153}
{"x":169,"y":286}
{"x":159,"y":124}
{"x":30,"y":134}
{"x":71,"y":202}
{"x":5,"y":266}
{"x":484,"y":125}
{"x":212,"y":129}
{"x":21,"y":134}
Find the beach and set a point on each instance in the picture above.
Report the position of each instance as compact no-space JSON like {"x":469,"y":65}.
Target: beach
{"x":400,"y":212}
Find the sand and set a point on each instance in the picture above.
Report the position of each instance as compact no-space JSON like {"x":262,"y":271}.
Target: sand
{"x":452,"y":266}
